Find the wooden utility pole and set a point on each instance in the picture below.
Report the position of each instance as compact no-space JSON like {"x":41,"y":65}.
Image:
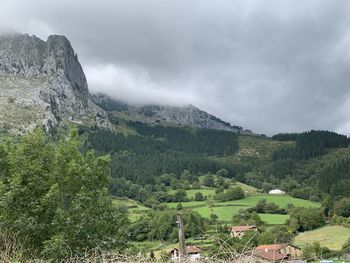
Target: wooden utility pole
{"x":182,"y":241}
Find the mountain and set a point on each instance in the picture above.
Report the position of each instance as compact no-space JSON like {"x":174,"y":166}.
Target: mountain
{"x":188,"y":116}
{"x":42,"y":84}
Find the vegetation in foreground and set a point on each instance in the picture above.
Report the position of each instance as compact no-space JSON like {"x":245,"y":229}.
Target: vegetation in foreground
{"x":55,"y":200}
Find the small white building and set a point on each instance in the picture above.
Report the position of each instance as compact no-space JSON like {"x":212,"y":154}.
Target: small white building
{"x":193,"y":253}
{"x":277,"y":192}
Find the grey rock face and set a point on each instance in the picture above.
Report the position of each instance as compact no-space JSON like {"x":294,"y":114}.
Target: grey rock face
{"x":48,"y":74}
{"x":187,"y":116}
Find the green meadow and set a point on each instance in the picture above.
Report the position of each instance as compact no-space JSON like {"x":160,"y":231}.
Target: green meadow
{"x":332,"y":237}
{"x":226,"y":210}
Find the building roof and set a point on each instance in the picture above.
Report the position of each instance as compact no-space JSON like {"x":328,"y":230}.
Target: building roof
{"x":193,"y":249}
{"x":242,"y":228}
{"x":272,"y":247}
{"x":271,"y":255}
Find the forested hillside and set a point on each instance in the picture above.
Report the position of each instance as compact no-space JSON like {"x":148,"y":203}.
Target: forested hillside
{"x":309,"y":165}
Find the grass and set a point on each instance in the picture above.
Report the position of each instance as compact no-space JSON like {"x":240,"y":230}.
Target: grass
{"x":206,"y":191}
{"x":280,"y":200}
{"x":135,"y":210}
{"x":273,"y":219}
{"x":332,"y":237}
{"x":226,"y":210}
{"x":193,"y":204}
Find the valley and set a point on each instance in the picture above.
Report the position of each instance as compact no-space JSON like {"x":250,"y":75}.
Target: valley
{"x":85,"y":172}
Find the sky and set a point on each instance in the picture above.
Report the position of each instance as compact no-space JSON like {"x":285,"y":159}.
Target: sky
{"x":267,"y":65}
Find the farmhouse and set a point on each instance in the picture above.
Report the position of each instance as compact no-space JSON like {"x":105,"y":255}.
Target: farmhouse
{"x":276,"y":252}
{"x":277,"y":192}
{"x":239,"y":231}
{"x":193,"y":253}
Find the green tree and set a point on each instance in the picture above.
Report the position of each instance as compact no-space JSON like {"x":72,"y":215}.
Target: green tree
{"x":266,"y":238}
{"x":304,"y":219}
{"x":198,"y":196}
{"x":208,"y":180}
{"x":222,"y":172}
{"x":25,"y":206}
{"x":56,"y":199}
{"x":179,"y":206}
{"x":180,"y":196}
{"x":234,"y":193}
{"x":342,"y":208}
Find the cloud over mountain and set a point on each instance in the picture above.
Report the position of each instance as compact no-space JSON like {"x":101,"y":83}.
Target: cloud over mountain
{"x":266,"y":65}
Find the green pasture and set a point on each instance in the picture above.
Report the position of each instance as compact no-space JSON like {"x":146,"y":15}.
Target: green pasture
{"x":226,"y":210}
{"x":135,"y":209}
{"x":332,"y":237}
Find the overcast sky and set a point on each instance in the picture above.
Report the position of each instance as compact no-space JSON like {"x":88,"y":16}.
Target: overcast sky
{"x":267,"y":65}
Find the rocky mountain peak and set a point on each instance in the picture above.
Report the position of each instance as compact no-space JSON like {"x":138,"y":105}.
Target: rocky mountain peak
{"x":47,"y":76}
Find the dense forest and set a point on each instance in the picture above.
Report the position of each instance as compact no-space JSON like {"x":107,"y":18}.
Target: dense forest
{"x":137,"y":161}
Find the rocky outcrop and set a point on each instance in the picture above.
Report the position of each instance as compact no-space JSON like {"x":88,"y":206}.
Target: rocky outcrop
{"x":43,"y":83}
{"x":189,"y":116}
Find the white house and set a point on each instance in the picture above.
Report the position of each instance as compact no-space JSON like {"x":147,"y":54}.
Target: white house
{"x":193,"y":253}
{"x":277,"y":192}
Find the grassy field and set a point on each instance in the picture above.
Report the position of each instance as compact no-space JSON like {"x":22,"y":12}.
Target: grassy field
{"x":193,"y":204}
{"x":273,"y":219}
{"x":134,"y":208}
{"x":206,"y":191}
{"x":280,"y":200}
{"x":226,"y":210}
{"x":332,"y":237}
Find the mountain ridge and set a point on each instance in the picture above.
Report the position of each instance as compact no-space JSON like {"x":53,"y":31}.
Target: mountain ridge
{"x":187,"y":116}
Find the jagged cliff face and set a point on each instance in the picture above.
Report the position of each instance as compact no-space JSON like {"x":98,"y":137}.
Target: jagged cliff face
{"x":42,"y":83}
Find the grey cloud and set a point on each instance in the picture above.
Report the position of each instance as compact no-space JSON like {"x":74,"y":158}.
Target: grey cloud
{"x":270,"y":66}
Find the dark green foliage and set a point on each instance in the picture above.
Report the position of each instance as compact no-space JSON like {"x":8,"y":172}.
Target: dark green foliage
{"x":208,"y":180}
{"x":203,"y":141}
{"x":163,"y":150}
{"x":277,"y":234}
{"x":334,"y":178}
{"x":231,"y":194}
{"x":55,"y":198}
{"x":180,"y":196}
{"x":247,"y":217}
{"x":179,"y":206}
{"x":312,"y":144}
{"x":199,"y":197}
{"x":342,"y":207}
{"x":269,"y":208}
{"x":285,"y":137}
{"x":304,"y":219}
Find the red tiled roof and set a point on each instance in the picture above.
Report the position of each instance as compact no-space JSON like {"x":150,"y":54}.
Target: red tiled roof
{"x":242,"y":228}
{"x":271,"y":256}
{"x":273,"y":247}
